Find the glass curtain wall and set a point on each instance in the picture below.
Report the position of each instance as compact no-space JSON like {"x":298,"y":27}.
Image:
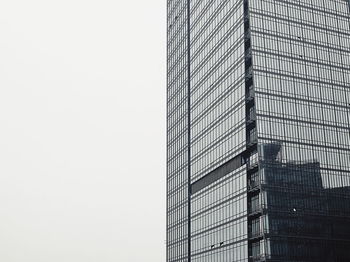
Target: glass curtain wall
{"x":177,"y":132}
{"x":219,"y":211}
{"x":301,"y":67}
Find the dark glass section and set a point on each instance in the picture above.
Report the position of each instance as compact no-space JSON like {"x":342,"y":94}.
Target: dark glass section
{"x":303,"y":220}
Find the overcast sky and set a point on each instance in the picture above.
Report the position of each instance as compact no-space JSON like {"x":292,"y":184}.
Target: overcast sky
{"x":82,"y":131}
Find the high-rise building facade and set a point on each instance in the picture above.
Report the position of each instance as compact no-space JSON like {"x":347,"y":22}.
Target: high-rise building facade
{"x":258,"y":130}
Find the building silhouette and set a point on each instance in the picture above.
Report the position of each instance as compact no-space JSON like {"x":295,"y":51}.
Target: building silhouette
{"x":258,"y":130}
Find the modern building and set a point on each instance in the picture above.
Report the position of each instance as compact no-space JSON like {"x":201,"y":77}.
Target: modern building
{"x":258,"y":130}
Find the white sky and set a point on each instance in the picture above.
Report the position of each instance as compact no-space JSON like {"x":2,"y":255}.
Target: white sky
{"x":82,"y":131}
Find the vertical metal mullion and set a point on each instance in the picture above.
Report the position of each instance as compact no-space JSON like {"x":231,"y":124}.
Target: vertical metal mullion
{"x":167,"y":135}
